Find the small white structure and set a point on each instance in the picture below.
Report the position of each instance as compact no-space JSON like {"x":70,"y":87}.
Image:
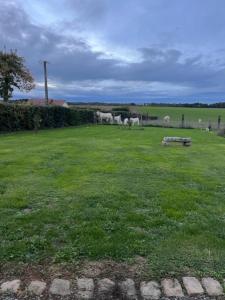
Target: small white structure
{"x":185,"y":141}
{"x":135,"y":121}
{"x":166,"y":119}
{"x":104,"y":116}
{"x":117,"y":120}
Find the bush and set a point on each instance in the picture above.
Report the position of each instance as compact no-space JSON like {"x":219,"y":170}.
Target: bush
{"x":123,"y":108}
{"x":23,"y":117}
{"x":124,"y":111}
{"x":152,"y":118}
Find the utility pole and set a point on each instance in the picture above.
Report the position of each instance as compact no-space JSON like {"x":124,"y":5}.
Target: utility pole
{"x":46,"y":81}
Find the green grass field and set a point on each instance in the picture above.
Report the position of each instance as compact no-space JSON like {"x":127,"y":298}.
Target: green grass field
{"x":190,"y":114}
{"x":102,"y":192}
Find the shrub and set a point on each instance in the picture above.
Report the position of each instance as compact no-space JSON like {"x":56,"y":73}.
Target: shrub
{"x":23,"y":117}
{"x":123,"y":108}
{"x":124,"y":111}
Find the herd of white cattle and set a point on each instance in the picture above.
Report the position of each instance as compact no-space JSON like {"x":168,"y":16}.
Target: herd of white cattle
{"x":109,"y":118}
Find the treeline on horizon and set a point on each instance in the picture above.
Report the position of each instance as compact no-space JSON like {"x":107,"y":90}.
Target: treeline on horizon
{"x":195,"y":105}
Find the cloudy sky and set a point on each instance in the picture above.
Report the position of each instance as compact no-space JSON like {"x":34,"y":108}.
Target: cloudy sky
{"x":120,"y":50}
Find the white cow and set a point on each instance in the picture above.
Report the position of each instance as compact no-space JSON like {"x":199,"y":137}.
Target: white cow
{"x":104,"y":116}
{"x":126,"y":121}
{"x":134,"y":121}
{"x":118,"y":120}
{"x":200,"y":123}
{"x":166,"y":119}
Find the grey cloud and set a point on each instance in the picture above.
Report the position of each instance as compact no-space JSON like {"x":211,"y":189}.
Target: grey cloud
{"x":156,"y":54}
{"x":72,"y":59}
{"x":87,"y":11}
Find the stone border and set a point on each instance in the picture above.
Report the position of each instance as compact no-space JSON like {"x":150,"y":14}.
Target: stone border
{"x":87,"y":288}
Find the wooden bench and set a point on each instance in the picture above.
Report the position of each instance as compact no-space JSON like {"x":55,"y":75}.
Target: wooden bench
{"x":171,"y":139}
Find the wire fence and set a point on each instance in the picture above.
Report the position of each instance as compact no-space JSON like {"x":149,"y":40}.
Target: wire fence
{"x":184,"y":124}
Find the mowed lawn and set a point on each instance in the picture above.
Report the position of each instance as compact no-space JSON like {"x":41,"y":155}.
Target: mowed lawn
{"x":102,"y":192}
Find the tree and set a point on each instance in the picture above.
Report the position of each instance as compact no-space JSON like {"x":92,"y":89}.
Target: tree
{"x":13,"y":74}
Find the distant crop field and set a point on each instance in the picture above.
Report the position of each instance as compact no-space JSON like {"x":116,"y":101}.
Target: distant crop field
{"x":190,"y":114}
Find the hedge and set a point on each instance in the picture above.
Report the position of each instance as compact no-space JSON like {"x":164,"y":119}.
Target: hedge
{"x":15,"y":117}
{"x":123,"y":108}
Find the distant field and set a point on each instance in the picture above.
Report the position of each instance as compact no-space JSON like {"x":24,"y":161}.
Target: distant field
{"x":190,"y":114}
{"x":102,"y":192}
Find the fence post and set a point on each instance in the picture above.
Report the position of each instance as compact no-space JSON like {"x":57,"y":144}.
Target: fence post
{"x":95,"y":119}
{"x":218,"y":122}
{"x":210,"y":126}
{"x":182,"y":121}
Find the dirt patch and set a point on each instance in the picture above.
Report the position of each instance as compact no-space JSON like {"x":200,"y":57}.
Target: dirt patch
{"x":93,"y":269}
{"x":114,"y":270}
